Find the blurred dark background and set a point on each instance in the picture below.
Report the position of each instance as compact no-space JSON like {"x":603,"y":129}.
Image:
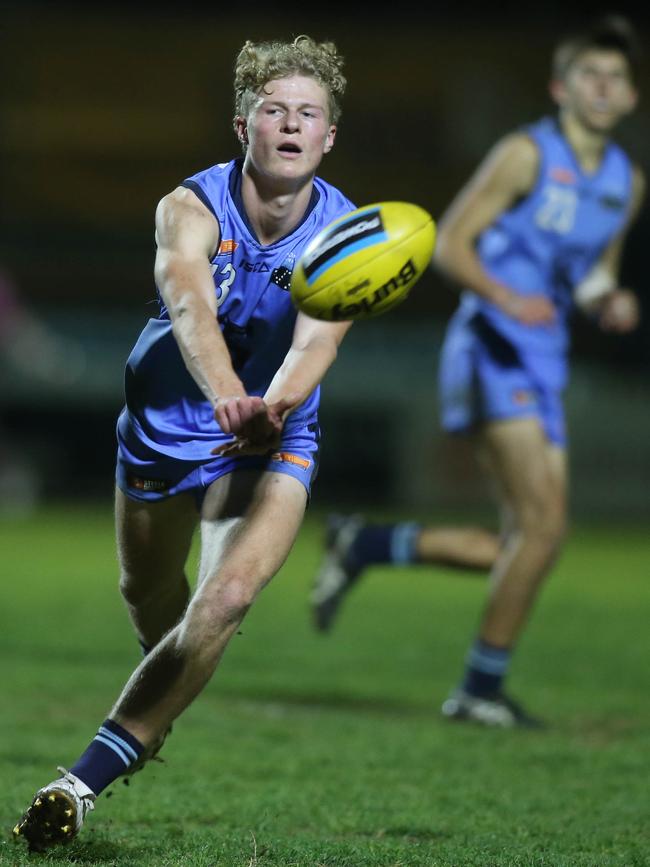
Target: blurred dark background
{"x":105,"y":109}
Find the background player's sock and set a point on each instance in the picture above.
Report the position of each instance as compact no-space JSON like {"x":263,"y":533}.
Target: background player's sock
{"x":486,"y":666}
{"x":146,"y":649}
{"x":112,"y":751}
{"x":389,"y":543}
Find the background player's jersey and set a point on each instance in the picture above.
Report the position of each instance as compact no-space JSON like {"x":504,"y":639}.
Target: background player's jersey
{"x":547,"y":243}
{"x":165,"y":409}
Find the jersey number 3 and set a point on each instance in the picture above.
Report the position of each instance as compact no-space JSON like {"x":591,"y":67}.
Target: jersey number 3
{"x":223,"y":288}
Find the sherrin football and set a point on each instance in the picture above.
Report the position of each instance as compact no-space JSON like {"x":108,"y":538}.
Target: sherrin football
{"x":364,"y":263}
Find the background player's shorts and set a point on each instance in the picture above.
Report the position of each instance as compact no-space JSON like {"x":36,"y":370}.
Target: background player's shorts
{"x":152,"y":476}
{"x":483,"y":377}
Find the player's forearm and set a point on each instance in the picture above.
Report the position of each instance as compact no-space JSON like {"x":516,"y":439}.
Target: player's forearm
{"x":459,"y":262}
{"x":197,"y":333}
{"x":302,"y":370}
{"x":206,"y":355}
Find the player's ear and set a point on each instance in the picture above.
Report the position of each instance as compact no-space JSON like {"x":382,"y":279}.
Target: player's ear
{"x":557,"y":89}
{"x":329,"y":140}
{"x":633,"y":99}
{"x":241,"y":128}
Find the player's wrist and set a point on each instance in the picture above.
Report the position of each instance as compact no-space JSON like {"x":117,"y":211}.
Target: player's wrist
{"x":504,"y":298}
{"x":227,"y":392}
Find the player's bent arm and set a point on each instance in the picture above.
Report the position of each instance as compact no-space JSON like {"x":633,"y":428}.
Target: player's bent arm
{"x":187,"y":235}
{"x":313,"y":350}
{"x":600,"y":288}
{"x":507,"y":174}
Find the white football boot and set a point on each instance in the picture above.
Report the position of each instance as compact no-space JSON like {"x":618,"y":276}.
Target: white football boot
{"x":337,"y":572}
{"x":497,"y":711}
{"x":57,"y":813}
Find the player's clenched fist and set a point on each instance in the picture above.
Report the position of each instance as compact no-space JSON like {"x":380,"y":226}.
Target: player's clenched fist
{"x":620,"y":311}
{"x":260,"y":425}
{"x":232,"y":413}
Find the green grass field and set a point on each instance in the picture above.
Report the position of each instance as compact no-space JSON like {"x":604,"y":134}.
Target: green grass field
{"x":310,"y":750}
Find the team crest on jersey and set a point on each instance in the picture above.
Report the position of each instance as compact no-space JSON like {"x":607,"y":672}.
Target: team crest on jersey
{"x":282,"y":276}
{"x":523,"y":397}
{"x":562,"y":175}
{"x":229,"y":245}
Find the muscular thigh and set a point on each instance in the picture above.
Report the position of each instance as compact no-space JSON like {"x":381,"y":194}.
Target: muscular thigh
{"x":154,"y":538}
{"x":527,"y":469}
{"x":249,"y":522}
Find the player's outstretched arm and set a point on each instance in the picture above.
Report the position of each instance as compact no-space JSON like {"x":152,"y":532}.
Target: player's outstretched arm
{"x":507,"y":174}
{"x":187,"y":235}
{"x":313,"y":350}
{"x":599,"y":294}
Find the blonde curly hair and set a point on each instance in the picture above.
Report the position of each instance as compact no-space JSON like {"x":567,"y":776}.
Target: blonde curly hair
{"x":259,"y":63}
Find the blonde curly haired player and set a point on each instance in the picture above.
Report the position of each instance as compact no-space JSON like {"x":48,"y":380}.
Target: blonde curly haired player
{"x":259,"y":63}
{"x":220,"y":427}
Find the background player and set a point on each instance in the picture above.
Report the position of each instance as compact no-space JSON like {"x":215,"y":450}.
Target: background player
{"x":541,"y":225}
{"x":220,"y":427}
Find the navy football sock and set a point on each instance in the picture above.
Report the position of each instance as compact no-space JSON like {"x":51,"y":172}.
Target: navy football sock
{"x":486,"y":666}
{"x":384,"y":543}
{"x":108,"y":756}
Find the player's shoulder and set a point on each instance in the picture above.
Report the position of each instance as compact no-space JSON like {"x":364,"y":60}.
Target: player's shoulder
{"x":197,"y":192}
{"x":519,"y":145}
{"x":216,"y":173}
{"x":514,"y":161}
{"x":180,"y":200}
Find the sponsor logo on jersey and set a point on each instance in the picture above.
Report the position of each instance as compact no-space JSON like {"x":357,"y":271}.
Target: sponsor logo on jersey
{"x":288,"y":458}
{"x":254,"y":267}
{"x":612,"y":202}
{"x":404,"y":276}
{"x":562,"y":175}
{"x":141,"y":484}
{"x":342,"y":240}
{"x":227,"y":246}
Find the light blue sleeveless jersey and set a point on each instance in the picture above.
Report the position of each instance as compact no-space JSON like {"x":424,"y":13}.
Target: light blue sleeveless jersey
{"x":547,"y":243}
{"x":165,"y":410}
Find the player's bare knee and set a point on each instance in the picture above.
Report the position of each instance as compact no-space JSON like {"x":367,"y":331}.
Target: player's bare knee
{"x":139,"y":590}
{"x":134,"y":591}
{"x":235,"y":598}
{"x":543,"y":518}
{"x":220,"y":606}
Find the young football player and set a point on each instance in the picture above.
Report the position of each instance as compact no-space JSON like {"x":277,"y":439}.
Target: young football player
{"x":539,"y":228}
{"x":220,"y":427}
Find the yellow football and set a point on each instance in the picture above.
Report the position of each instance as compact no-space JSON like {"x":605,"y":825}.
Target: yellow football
{"x":364,"y":263}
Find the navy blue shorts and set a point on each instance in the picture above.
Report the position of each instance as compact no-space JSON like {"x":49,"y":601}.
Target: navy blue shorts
{"x":152,"y":476}
{"x":483,"y":377}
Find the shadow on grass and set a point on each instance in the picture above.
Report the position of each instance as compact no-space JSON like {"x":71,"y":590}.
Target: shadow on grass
{"x":407,"y":835}
{"x":316,"y":700}
{"x":102,"y":852}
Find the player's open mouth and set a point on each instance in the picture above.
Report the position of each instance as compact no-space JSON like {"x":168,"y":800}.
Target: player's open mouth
{"x":290,"y":149}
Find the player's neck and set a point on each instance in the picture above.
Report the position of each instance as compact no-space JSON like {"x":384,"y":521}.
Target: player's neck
{"x":273,"y":212}
{"x":588,"y":145}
